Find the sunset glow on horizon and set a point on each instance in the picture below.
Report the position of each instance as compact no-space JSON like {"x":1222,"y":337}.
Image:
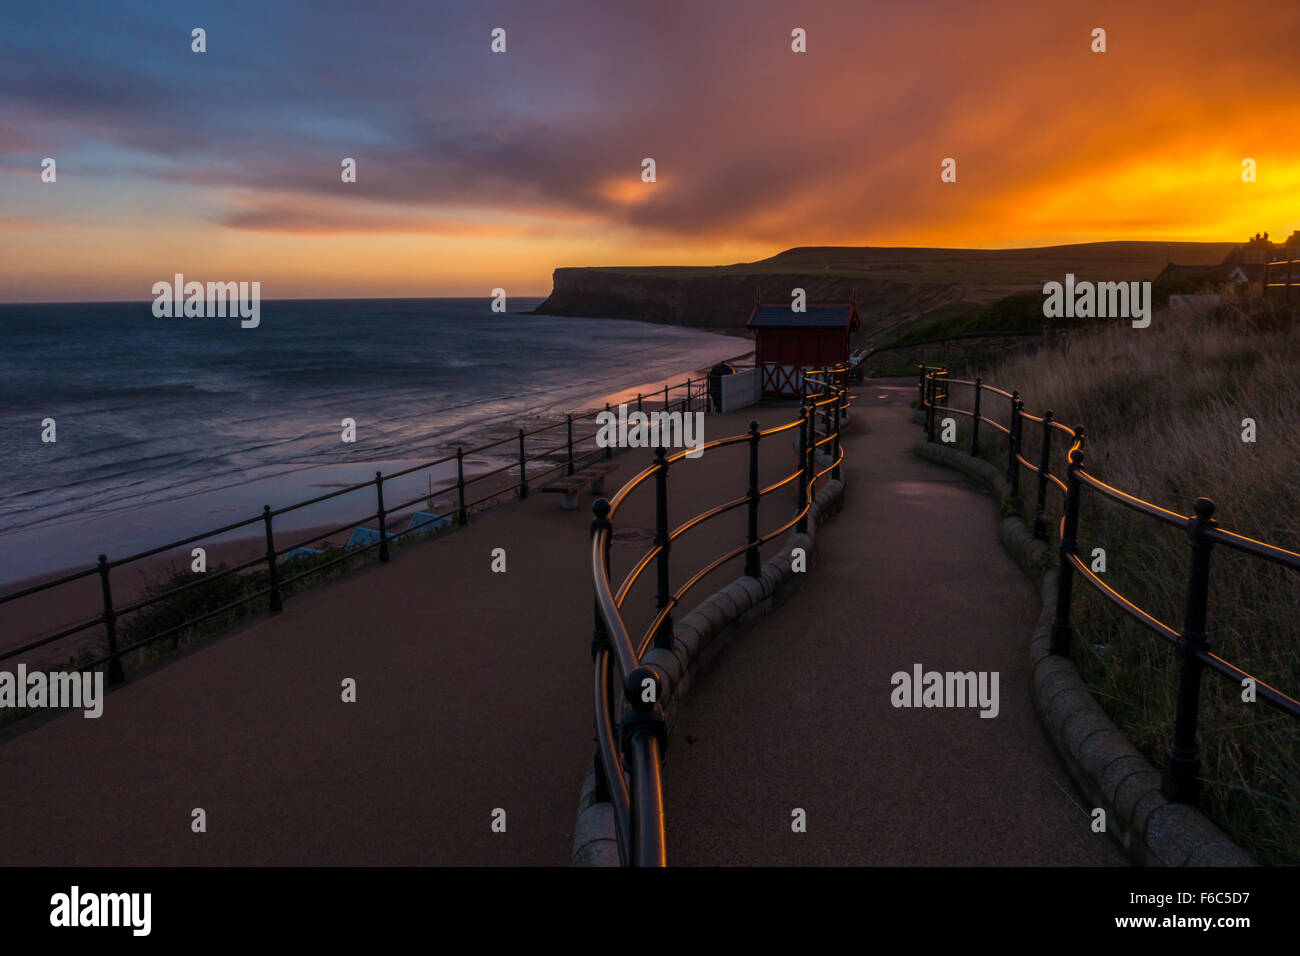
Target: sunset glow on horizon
{"x":478,"y":170}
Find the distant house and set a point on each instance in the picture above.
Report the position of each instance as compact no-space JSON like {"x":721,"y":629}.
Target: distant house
{"x":1173,"y":272}
{"x":1246,"y":273}
{"x":786,"y":342}
{"x":1244,"y":265}
{"x":1256,"y":251}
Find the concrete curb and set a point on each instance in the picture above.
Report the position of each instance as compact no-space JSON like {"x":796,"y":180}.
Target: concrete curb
{"x":1108,"y":770}
{"x":697,"y":638}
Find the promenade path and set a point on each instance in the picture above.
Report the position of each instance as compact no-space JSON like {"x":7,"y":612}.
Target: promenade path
{"x":797,"y":713}
{"x":473,"y":693}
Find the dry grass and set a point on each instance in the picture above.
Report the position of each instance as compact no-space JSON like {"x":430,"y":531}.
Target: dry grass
{"x":1163,"y":410}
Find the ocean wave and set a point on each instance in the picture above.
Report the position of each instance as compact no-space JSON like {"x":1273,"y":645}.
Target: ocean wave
{"x":166,"y":412}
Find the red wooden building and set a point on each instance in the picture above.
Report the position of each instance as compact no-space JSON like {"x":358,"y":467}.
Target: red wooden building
{"x":786,"y":342}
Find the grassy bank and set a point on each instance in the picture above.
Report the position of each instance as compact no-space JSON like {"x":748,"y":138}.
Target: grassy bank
{"x":1163,"y":409}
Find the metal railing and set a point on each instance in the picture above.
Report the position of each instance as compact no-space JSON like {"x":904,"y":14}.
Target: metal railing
{"x":629,"y":750}
{"x":1180,"y":782}
{"x":1286,"y":283}
{"x":688,"y":396}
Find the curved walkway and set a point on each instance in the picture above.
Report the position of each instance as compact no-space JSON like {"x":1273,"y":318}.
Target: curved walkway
{"x":797,"y":713}
{"x":473,"y":693}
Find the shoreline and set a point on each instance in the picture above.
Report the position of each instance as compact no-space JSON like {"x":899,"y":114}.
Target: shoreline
{"x":56,"y":545}
{"x":30,"y":617}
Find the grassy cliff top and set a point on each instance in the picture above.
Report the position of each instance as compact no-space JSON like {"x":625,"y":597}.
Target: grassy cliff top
{"x":976,"y":267}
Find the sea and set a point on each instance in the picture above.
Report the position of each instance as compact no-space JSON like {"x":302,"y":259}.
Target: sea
{"x":167,"y":427}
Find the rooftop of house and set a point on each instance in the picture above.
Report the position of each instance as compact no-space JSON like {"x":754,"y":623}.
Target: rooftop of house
{"x":817,"y":315}
{"x":1251,"y":271}
{"x":1173,"y":271}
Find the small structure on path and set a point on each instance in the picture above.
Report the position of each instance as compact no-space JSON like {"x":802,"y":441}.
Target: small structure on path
{"x":786,"y":342}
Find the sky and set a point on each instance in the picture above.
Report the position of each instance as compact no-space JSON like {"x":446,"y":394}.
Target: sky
{"x":478,"y":170}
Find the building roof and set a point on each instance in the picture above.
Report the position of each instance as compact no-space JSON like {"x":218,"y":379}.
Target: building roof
{"x":1172,"y":271}
{"x":818,"y":315}
{"x":1250,"y":271}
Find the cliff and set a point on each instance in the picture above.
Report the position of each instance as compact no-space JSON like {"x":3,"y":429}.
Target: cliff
{"x":708,"y":300}
{"x":893,"y":284}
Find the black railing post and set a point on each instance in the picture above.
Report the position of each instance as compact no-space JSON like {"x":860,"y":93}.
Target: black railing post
{"x":1180,"y":784}
{"x":644,"y":732}
{"x":663,"y":636}
{"x":115,"y":673}
{"x":752,"y":567}
{"x":1044,"y":466}
{"x":523,"y":466}
{"x":802,"y":526}
{"x":383,"y":518}
{"x":1060,"y":642}
{"x":1017,"y":430}
{"x":920,"y":385}
{"x":665,"y":397}
{"x":925,"y":407}
{"x":1012,"y":469}
{"x":569,"y":420}
{"x":272,"y":580}
{"x":932,"y":388}
{"x":461,"y":516}
{"x":975,"y":419}
{"x":609,"y":449}
{"x":638,"y":401}
{"x":835,"y":445}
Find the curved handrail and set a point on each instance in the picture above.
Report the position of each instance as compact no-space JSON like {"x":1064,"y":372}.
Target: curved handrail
{"x":1259,"y":549}
{"x":1200,"y":527}
{"x":1132,"y":501}
{"x":639,"y":821}
{"x":1157,"y":627}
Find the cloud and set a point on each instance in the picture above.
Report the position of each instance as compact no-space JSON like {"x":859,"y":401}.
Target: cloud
{"x":315,"y":219}
{"x":754,"y":144}
{"x":19,"y":224}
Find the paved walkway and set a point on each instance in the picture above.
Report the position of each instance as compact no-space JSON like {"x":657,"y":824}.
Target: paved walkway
{"x":797,"y":713}
{"x":474,"y":694}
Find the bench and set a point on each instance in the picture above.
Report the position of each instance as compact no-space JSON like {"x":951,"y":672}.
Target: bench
{"x":569,"y":485}
{"x":600,"y":469}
